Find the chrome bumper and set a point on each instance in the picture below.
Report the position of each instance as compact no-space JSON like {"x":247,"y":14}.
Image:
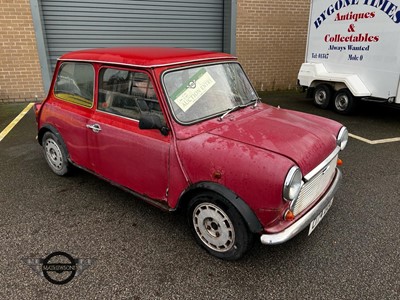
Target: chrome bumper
{"x":303,"y":222}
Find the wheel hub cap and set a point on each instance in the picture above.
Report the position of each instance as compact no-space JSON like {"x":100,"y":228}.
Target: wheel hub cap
{"x":321,"y":97}
{"x":54,"y":154}
{"x":213,"y":227}
{"x":342,"y":102}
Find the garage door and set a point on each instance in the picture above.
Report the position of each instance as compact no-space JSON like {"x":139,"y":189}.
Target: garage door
{"x":79,"y":24}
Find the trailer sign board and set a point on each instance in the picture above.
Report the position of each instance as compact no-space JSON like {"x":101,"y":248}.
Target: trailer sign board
{"x":355,"y":37}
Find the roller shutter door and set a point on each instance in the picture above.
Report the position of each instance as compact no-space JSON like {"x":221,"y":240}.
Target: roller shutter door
{"x":79,"y":24}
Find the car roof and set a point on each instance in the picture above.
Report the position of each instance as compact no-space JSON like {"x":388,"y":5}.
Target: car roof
{"x":145,"y":56}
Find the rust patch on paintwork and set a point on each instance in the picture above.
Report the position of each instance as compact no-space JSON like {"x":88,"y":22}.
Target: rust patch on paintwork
{"x":217,"y":175}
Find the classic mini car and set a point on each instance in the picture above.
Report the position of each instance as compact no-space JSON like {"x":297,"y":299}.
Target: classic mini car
{"x":185,"y":130}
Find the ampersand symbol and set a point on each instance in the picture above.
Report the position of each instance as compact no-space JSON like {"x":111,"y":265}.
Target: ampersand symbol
{"x":351,"y":28}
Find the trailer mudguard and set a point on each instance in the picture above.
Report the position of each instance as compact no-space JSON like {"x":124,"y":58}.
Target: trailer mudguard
{"x":311,"y":74}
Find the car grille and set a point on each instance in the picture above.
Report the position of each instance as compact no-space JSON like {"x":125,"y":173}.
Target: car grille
{"x":315,"y":187}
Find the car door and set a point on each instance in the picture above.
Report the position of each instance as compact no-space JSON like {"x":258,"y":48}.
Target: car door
{"x":70,"y":106}
{"x":120,"y":151}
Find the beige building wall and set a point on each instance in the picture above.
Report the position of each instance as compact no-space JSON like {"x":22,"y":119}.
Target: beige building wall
{"x":270,"y":43}
{"x":20,"y":75}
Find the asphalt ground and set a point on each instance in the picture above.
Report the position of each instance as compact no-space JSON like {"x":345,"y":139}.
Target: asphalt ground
{"x":140,"y":252}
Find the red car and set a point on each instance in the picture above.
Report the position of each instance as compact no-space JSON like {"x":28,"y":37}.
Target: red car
{"x":185,"y":129}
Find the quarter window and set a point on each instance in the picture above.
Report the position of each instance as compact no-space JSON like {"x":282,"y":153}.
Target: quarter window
{"x":127,"y":93}
{"x":75,"y":83}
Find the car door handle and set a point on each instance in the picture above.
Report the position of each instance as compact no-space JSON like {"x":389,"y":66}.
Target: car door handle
{"x":95,"y":127}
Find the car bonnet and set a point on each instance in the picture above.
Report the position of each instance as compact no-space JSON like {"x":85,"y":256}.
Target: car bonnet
{"x":305,"y":139}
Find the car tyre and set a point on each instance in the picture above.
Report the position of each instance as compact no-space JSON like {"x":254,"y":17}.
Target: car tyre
{"x":55,"y":154}
{"x":344,"y":103}
{"x":322,"y":96}
{"x":218,"y":227}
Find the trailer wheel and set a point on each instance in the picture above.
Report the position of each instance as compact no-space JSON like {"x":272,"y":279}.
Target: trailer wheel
{"x":322,"y":96}
{"x":345,"y":102}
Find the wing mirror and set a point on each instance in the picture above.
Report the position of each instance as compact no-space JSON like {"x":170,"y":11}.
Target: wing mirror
{"x":153,"y":122}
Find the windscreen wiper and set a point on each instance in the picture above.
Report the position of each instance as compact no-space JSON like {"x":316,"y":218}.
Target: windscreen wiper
{"x":233,"y":109}
{"x":258,"y":99}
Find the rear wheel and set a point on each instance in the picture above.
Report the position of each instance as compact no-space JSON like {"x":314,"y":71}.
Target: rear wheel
{"x":345,"y":103}
{"x":322,"y":96}
{"x":55,"y":154}
{"x":218,"y":226}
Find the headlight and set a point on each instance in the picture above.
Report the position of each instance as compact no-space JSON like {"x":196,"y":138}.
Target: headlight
{"x":342,"y":138}
{"x":292,"y":184}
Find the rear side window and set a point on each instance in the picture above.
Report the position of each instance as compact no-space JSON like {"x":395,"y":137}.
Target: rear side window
{"x":75,"y":83}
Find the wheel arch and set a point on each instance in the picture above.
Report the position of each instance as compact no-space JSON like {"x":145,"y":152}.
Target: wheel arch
{"x":46,"y":128}
{"x":245,"y":211}
{"x":50,"y":128}
{"x":333,"y":85}
{"x":312,"y":74}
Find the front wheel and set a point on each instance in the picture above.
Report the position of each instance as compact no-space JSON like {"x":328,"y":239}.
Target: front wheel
{"x":55,"y":154}
{"x":344,"y":103}
{"x":218,"y":226}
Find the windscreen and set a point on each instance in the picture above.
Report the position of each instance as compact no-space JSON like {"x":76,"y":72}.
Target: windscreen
{"x":203,"y":92}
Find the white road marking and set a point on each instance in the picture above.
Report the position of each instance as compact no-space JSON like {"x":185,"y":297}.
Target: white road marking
{"x":374,"y":142}
{"x":15,"y":122}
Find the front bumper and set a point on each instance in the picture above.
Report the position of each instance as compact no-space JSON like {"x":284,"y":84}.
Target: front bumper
{"x":304,"y":221}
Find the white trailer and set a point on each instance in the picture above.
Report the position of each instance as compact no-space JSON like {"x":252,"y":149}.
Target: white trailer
{"x":352,"y":53}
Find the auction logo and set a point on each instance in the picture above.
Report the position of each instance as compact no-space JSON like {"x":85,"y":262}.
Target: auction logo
{"x":59,"y":267}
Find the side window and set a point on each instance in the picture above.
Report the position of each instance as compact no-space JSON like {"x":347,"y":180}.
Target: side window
{"x":127,"y":93}
{"x":75,"y":83}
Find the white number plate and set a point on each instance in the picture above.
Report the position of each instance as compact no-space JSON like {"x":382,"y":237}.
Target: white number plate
{"x":318,"y":219}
